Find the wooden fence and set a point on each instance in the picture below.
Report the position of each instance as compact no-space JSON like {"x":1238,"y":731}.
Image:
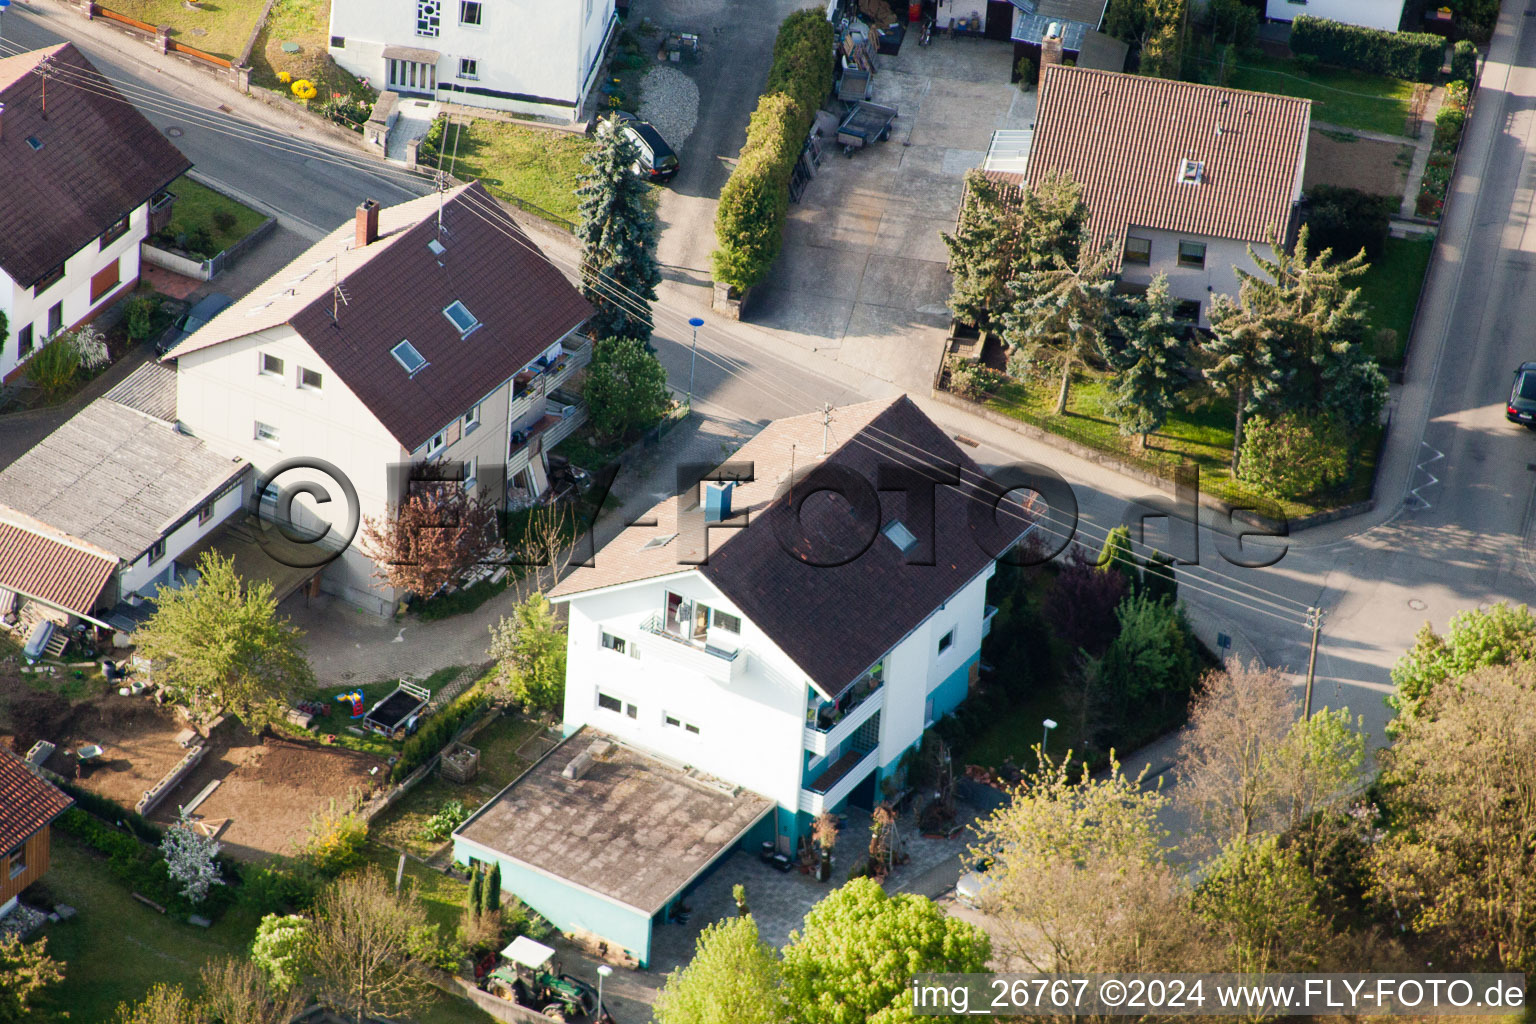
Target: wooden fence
{"x":171,"y":45}
{"x":199,"y":54}
{"x":142,"y":26}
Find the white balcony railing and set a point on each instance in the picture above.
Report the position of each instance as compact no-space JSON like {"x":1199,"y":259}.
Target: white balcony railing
{"x":986,"y":620}
{"x":818,"y":742}
{"x":812,"y":802}
{"x":715,"y":663}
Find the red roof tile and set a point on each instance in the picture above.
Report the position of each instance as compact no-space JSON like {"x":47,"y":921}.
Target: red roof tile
{"x":1124,"y":138}
{"x":51,"y":569}
{"x":99,"y":159}
{"x":27,"y":802}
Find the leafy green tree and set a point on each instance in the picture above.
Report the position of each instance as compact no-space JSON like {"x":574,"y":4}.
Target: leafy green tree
{"x":1149,"y":360}
{"x":1149,"y":660}
{"x":280,"y":950}
{"x":617,"y":232}
{"x":26,"y":974}
{"x":529,"y":651}
{"x":626,"y":389}
{"x":854,"y":960}
{"x":733,"y":978}
{"x":220,"y":644}
{"x":1263,"y":901}
{"x":1295,"y":456}
{"x":1159,"y":579}
{"x":1457,"y":860}
{"x":236,"y":991}
{"x":367,"y":947}
{"x":1154,"y":28}
{"x":163,"y":1004}
{"x":1079,"y":879}
{"x":1501,"y":634}
{"x":1116,"y":556}
{"x":1065,"y":308}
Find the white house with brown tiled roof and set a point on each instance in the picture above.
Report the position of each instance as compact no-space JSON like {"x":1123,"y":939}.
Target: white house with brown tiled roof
{"x":1179,"y":178}
{"x":1386,"y":15}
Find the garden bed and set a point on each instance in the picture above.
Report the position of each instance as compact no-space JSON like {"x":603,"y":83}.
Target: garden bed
{"x":205,"y":222}
{"x":304,"y":24}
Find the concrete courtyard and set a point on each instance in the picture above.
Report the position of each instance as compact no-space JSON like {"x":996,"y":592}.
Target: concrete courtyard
{"x":862,"y":276}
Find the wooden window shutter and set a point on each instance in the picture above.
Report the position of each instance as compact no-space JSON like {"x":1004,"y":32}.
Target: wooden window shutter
{"x":104,"y":280}
{"x":453,"y":432}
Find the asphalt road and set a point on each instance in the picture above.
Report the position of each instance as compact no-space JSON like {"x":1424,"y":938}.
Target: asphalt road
{"x":312,"y":186}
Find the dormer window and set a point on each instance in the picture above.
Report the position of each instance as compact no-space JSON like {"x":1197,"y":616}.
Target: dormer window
{"x":1191,"y":172}
{"x":406,"y":355}
{"x":460,"y":316}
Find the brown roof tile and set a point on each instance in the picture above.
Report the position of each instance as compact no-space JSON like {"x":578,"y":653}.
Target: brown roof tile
{"x":38,"y":563}
{"x":834,"y":622}
{"x":27,"y":802}
{"x":100,"y":159}
{"x":396,"y":289}
{"x":1124,"y":137}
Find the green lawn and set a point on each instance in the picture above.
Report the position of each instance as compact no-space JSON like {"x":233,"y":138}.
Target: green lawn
{"x":1392,"y":287}
{"x":1353,"y":99}
{"x":1202,"y":436}
{"x":400,"y":826}
{"x":224,"y":25}
{"x":200,"y":207}
{"x":533,"y":168}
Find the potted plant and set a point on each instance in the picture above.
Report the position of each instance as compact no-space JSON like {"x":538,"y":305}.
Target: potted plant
{"x":824,"y":834}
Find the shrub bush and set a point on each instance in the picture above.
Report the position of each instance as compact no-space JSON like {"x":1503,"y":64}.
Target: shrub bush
{"x":112,"y":811}
{"x":1464,"y":62}
{"x":438,"y":730}
{"x":1415,"y":56}
{"x":141,"y":867}
{"x":749,"y":221}
{"x":1294,"y":456}
{"x":1347,"y":220}
{"x":1448,"y":125}
{"x":140,"y":315}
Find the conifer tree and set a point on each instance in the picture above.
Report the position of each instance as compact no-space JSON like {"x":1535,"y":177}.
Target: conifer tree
{"x":1149,"y":361}
{"x":617,"y":233}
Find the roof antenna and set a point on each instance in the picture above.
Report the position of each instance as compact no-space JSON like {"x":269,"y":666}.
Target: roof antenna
{"x":791,"y":476}
{"x":826,"y":425}
{"x":44,"y":70}
{"x":442,"y":189}
{"x":338,"y":293}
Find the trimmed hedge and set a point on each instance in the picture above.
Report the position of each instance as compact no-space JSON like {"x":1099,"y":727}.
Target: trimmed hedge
{"x":438,"y":731}
{"x":1416,"y":56}
{"x":749,"y":223}
{"x":1464,"y":62}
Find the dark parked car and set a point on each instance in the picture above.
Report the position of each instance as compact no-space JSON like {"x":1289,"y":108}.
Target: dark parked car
{"x":657,"y":161}
{"x":206,"y":309}
{"x":1522,"y":397}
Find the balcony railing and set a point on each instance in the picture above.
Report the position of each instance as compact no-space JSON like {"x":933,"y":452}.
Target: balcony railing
{"x":834,"y":784}
{"x":986,"y":620}
{"x":819,"y":741}
{"x":718,"y":663}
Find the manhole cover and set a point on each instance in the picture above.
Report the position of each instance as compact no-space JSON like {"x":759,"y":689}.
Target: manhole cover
{"x":290,"y":47}
{"x":1416,"y":604}
{"x":174,"y":132}
{"x":199,"y":31}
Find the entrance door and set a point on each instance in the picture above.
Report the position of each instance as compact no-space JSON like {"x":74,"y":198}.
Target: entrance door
{"x":412,"y":76}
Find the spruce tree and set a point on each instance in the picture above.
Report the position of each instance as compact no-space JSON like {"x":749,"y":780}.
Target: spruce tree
{"x":617,"y":233}
{"x":1242,"y":361}
{"x":1149,"y":361}
{"x":475,"y":896}
{"x":491,"y":901}
{"x":1065,"y":308}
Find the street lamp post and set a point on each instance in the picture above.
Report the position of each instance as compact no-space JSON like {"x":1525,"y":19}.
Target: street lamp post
{"x":695,"y":323}
{"x":603,"y":970}
{"x":1049,"y":723}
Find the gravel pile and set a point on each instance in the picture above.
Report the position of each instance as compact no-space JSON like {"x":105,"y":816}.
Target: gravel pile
{"x":670,"y":100}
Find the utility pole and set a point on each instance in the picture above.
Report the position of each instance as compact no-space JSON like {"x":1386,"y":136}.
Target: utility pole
{"x":1314,"y":620}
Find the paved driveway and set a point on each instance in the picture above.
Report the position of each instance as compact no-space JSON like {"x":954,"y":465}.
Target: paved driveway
{"x":862,"y":274}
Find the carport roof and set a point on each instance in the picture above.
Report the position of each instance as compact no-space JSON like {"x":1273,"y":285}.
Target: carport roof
{"x":634,"y":829}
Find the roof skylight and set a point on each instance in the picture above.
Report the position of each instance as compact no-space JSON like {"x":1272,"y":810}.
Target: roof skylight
{"x":406,"y":355}
{"x":460,"y":316}
{"x":1191,"y":172}
{"x":35,"y":142}
{"x":437,"y":247}
{"x":899,"y":535}
{"x":658,"y":542}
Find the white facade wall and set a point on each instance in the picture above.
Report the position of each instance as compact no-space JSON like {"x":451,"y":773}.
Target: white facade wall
{"x":752,"y":727}
{"x":1382,"y":14}
{"x":137,"y":577}
{"x":73,"y":291}
{"x":1193,"y":284}
{"x":530,"y":57}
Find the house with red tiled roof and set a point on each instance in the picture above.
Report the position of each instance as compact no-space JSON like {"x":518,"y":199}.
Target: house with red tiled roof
{"x":28,"y":805}
{"x":83,"y":172}
{"x":431,"y":334}
{"x":1180,"y":179}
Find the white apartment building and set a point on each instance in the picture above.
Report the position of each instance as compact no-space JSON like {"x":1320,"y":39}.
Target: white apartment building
{"x":82,"y":179}
{"x":518,"y":55}
{"x":432,"y":332}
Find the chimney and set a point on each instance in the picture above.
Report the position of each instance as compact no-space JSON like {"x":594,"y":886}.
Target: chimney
{"x":717,"y":501}
{"x":367,"y":223}
{"x":1050,"y":46}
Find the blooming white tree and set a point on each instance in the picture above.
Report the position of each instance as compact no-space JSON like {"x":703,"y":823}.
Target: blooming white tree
{"x":91,"y":345}
{"x":189,"y":858}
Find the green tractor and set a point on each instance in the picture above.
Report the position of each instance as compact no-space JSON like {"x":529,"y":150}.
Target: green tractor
{"x":528,"y":980}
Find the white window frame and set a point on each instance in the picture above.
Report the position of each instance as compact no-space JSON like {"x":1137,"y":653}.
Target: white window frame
{"x":17,"y":861}
{"x":157,"y":551}
{"x":946,"y":642}
{"x":479,"y":7}
{"x":472,"y":419}
{"x":266,"y":433}
{"x":437,"y":442}
{"x":410,"y":350}
{"x":303,"y":385}
{"x":472,"y":475}
{"x":600,"y":694}
{"x":469,"y":71}
{"x":671,"y":721}
{"x":264,"y":367}
{"x":474,"y":324}
{"x":205,"y":513}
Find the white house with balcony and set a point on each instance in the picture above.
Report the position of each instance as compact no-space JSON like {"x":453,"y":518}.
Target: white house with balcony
{"x":774,"y":638}
{"x":519,"y":55}
{"x":432,"y":332}
{"x":84,"y":174}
